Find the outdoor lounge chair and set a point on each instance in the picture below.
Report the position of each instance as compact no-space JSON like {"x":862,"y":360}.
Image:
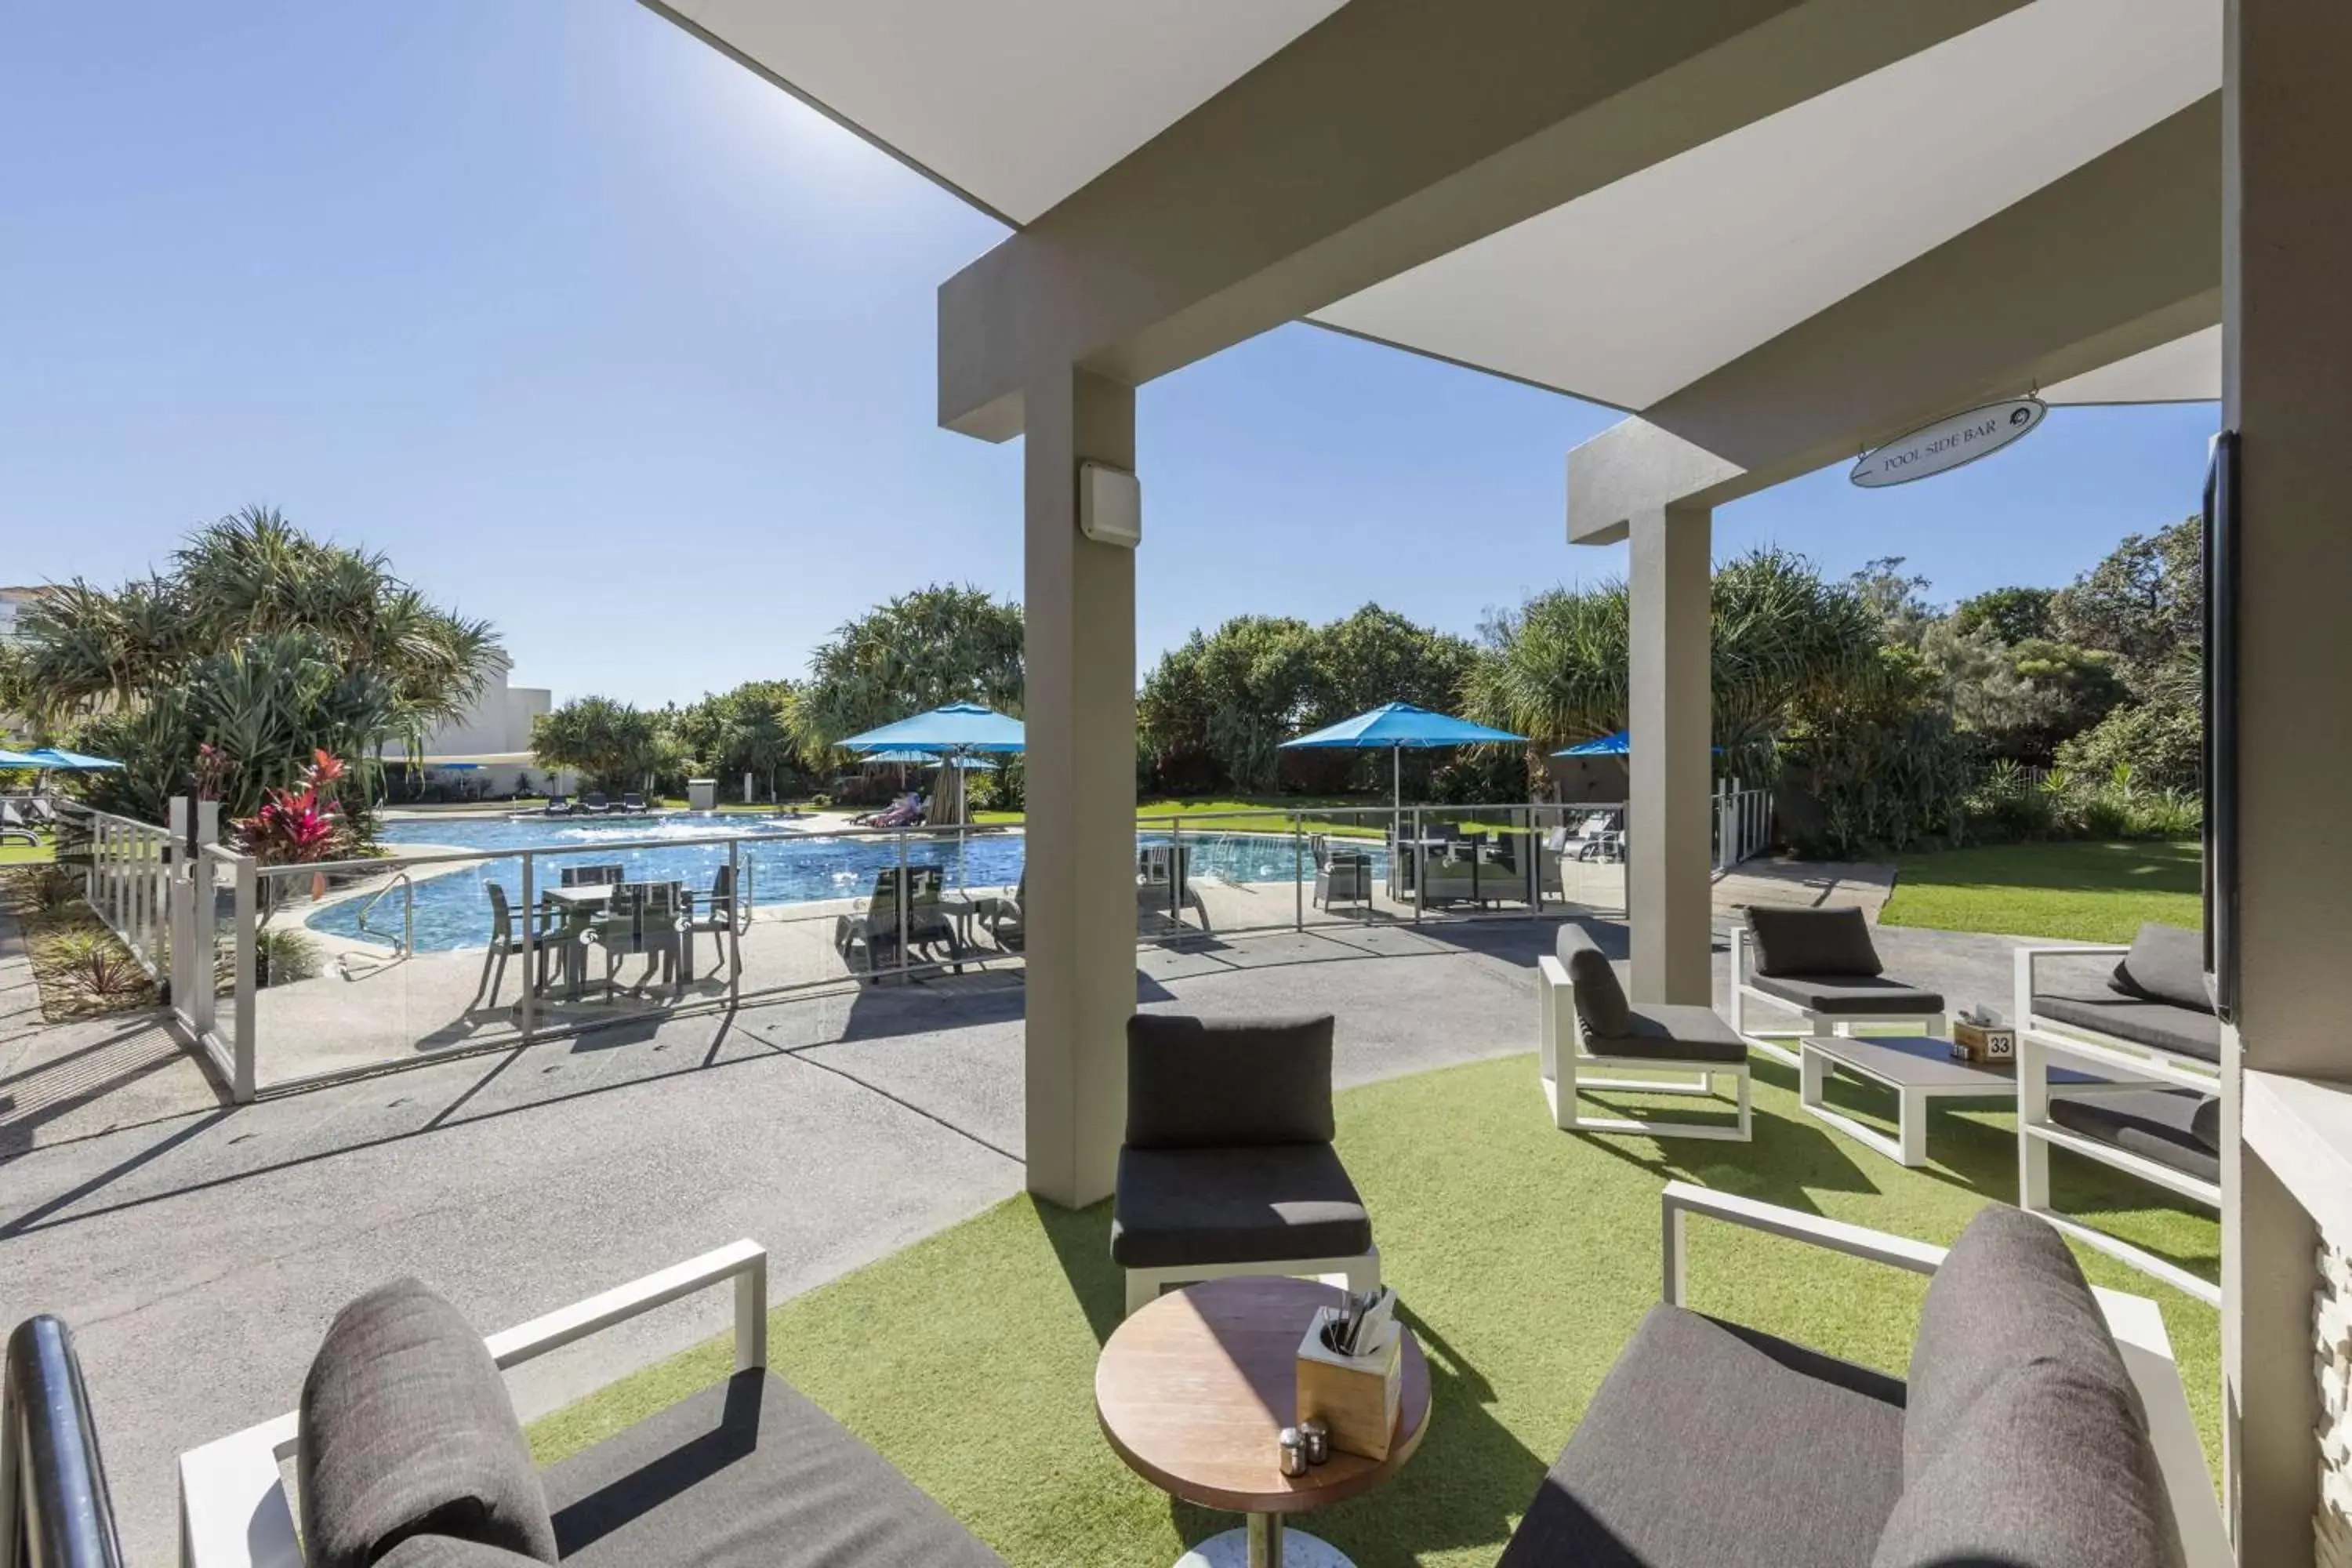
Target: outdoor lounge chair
{"x":635,"y":803}
{"x":1587,"y":1024}
{"x":1821,"y":964}
{"x":1339,"y":873}
{"x":407,"y":1454}
{"x":594,"y":803}
{"x":1241,"y":1181}
{"x":2150,"y":1023}
{"x":1001,"y":914}
{"x":2041,"y":1424}
{"x":558,"y":806}
{"x":1164,"y":882}
{"x":877,"y":930}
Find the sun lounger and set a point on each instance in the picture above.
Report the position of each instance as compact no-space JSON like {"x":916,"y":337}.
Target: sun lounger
{"x":634,"y":805}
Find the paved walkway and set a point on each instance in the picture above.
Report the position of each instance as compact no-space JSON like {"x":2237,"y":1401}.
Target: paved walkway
{"x":63,"y":1081}
{"x":198,"y":1260}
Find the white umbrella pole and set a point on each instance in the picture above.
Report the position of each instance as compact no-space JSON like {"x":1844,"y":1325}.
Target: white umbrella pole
{"x":1396,"y":789}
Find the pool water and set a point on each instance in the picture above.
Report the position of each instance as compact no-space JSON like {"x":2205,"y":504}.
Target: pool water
{"x":454,"y":911}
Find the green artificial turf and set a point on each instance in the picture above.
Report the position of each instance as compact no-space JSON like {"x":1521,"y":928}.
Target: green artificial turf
{"x":1524,"y":1257}
{"x":2079,"y":892}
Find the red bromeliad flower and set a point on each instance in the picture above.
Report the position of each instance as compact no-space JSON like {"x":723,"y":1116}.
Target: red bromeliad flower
{"x":298,"y":825}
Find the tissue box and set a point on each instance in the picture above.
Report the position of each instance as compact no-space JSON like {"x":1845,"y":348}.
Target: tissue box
{"x":1356,"y":1397}
{"x":1983,"y":1043}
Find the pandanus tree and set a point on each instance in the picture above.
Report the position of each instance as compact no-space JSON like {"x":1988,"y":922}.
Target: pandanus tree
{"x":258,"y":640}
{"x":1784,"y":642}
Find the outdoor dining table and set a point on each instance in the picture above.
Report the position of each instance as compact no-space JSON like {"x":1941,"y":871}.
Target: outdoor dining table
{"x":1480,"y":850}
{"x":589,"y":900}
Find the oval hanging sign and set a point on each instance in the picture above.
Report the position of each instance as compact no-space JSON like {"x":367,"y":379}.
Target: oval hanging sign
{"x":1950,"y":442}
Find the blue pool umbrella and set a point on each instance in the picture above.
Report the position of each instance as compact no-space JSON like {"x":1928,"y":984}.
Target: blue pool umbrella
{"x":1617,"y":745}
{"x":58,"y":757}
{"x":1397,"y":727}
{"x":9,"y":759}
{"x":904,"y":756}
{"x":958,"y":727}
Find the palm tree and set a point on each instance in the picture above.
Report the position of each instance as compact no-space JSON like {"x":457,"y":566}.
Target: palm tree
{"x":261,"y":640}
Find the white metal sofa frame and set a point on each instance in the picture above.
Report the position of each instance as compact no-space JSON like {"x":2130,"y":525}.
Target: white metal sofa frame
{"x":2136,"y":1321}
{"x":2042,"y":1043}
{"x":1563,"y":1061}
{"x":1767,"y":1040}
{"x":234,"y":1510}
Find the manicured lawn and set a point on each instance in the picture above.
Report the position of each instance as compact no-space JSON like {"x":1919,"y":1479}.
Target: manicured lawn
{"x":1523,"y":1258}
{"x":2081,"y":892}
{"x":15,"y":854}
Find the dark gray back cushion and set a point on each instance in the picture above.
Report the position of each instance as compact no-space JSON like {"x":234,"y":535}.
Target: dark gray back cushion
{"x":1204,"y":1083}
{"x":1813,"y":942}
{"x":406,"y":1430}
{"x":2052,"y":1467}
{"x":1600,"y":1000}
{"x":2009,"y":1293}
{"x":2166,"y":964}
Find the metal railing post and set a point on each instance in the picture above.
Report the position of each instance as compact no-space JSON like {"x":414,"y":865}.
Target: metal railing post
{"x":1299,"y":866}
{"x":248,"y":926}
{"x":738,"y":917}
{"x":530,"y":914}
{"x":903,"y":899}
{"x":1175,"y":871}
{"x":1420,"y":858}
{"x":201,"y":940}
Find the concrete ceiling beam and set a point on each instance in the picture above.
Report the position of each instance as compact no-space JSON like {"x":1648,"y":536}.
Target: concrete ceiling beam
{"x":1391,"y":132}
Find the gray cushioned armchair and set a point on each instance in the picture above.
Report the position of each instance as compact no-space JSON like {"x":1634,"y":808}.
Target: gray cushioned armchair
{"x":409,"y":1455}
{"x":1823,"y":965}
{"x":2042,"y":1425}
{"x":1590,"y":1029}
{"x":1228,"y":1167}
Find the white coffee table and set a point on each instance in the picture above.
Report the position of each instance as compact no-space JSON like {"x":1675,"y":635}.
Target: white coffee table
{"x":1920,"y":1068}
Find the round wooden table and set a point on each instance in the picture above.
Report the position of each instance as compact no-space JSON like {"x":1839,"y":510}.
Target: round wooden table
{"x":1191,"y":1391}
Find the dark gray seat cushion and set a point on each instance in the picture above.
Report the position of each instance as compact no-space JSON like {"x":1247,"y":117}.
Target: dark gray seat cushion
{"x":2175,"y":1127}
{"x":1863,"y":993}
{"x":1813,"y":942}
{"x":406,"y":1429}
{"x":1600,"y":1000}
{"x":2183,"y":1031}
{"x":2007,"y":1293}
{"x":748,"y":1474}
{"x":1671,"y":1031}
{"x":2050,"y":1467}
{"x":1205,"y":1083}
{"x":1710,"y":1445}
{"x":2167,"y":963}
{"x":1180,"y":1207}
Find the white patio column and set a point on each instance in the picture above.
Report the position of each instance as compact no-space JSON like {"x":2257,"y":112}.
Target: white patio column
{"x":2287,"y":390}
{"x":1667,"y":820}
{"x":1080,"y":920}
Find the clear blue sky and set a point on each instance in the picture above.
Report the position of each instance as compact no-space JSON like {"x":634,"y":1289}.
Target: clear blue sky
{"x":604,"y":339}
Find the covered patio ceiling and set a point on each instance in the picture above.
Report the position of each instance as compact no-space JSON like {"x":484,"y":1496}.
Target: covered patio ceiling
{"x":1630,"y":292}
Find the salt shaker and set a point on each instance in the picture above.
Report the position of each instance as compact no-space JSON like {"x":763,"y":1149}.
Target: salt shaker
{"x":1294,"y":1452}
{"x":1316,"y":1438}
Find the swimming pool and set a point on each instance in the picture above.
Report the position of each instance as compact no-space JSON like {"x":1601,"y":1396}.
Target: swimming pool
{"x":454,"y":911}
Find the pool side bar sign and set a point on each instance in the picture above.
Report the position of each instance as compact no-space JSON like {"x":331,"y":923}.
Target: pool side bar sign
{"x":1950,"y":442}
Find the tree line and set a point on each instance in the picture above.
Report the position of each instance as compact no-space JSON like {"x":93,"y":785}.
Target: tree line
{"x":1880,"y":717}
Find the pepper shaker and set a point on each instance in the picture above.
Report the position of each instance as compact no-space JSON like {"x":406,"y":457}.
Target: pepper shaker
{"x":1316,"y":1438}
{"x":1292,"y":1450}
